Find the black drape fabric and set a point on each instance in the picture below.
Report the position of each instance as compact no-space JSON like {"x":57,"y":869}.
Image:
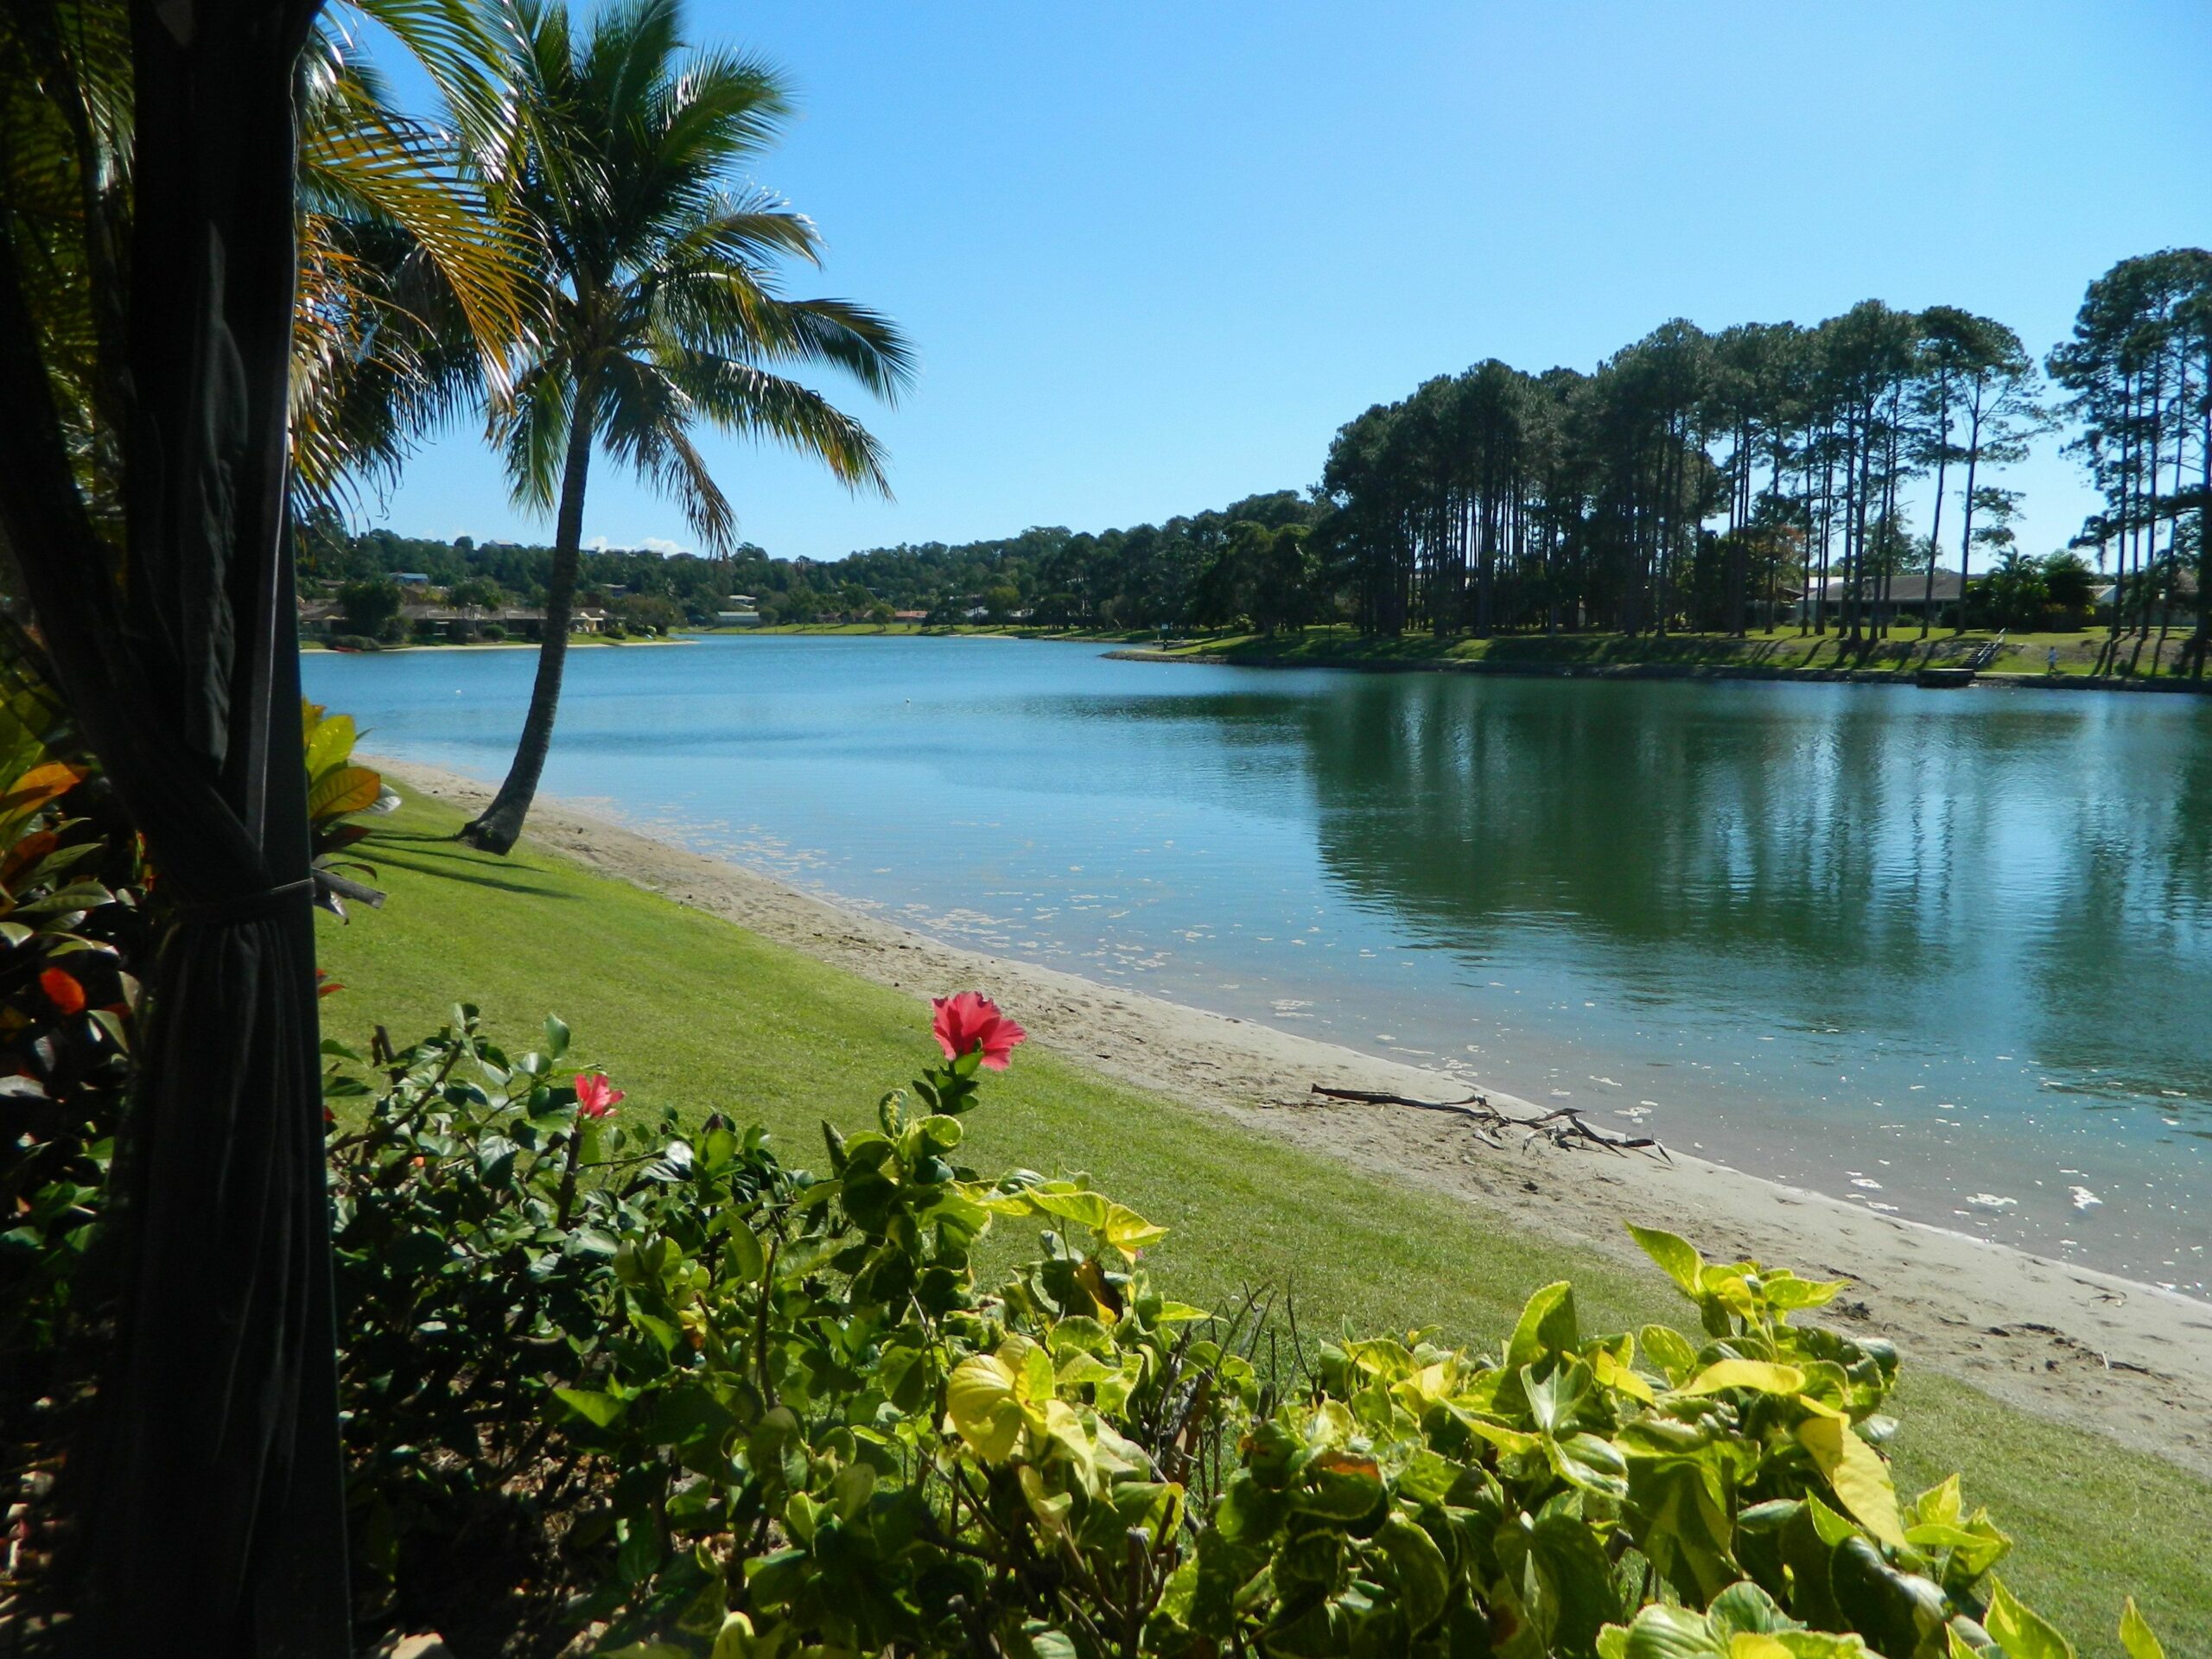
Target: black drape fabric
{"x":215,"y":1522}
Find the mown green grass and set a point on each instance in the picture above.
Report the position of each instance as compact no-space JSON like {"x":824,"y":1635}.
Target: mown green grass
{"x":1902,"y":653}
{"x":2089,"y":652}
{"x":684,"y":1009}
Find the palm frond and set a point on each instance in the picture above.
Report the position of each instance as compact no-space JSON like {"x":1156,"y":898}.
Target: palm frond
{"x":645,"y":420}
{"x":742,"y":399}
{"x":724,"y":312}
{"x":465,"y":48}
{"x":532,"y":433}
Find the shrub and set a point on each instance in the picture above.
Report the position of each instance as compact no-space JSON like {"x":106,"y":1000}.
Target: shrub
{"x":741,"y":1409}
{"x":491,"y":631}
{"x":73,"y":897}
{"x":650,"y":614}
{"x":369,"y":606}
{"x":354,"y":642}
{"x":74,"y":918}
{"x":480,"y":591}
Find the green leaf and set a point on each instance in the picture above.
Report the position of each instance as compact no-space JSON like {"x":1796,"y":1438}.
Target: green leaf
{"x":1674,"y":1253}
{"x":1343,"y":1485}
{"x":1678,"y":1517}
{"x":2136,"y":1636}
{"x":2022,"y":1632}
{"x":1668,"y":1350}
{"x":1424,"y":1581}
{"x":1547,"y":1325}
{"x":1857,"y":1472}
{"x":1744,"y":1606}
{"x":1903,"y":1612}
{"x":1563,"y":1577}
{"x":557,"y":1037}
{"x":741,"y":1253}
{"x":1664,"y":1632}
{"x":603,"y":1410}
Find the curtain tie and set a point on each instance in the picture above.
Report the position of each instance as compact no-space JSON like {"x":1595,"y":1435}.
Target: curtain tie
{"x":245,"y":907}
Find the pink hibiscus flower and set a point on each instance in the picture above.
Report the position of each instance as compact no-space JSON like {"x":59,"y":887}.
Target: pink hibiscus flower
{"x":971,"y":1021}
{"x":595,"y":1096}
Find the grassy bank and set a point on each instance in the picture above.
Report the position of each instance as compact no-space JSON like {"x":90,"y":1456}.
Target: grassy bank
{"x":2079,"y":656}
{"x":2073,"y":657}
{"x":685,"y":1009}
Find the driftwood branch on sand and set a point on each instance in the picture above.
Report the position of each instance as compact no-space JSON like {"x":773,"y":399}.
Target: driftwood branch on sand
{"x":1565,"y":1128}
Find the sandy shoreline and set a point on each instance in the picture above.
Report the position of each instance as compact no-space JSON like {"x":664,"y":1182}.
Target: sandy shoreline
{"x":2069,"y":1343}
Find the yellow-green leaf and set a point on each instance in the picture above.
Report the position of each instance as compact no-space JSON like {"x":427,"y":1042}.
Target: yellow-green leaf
{"x":330,"y":743}
{"x":734,"y":1639}
{"x":1941,"y":1505}
{"x":602,"y":1410}
{"x":348,"y":789}
{"x":1615,"y":1376}
{"x":2020,"y":1630}
{"x":1505,"y":1439}
{"x":979,"y":1401}
{"x":2135,"y":1635}
{"x":1859,"y":1477}
{"x":1676,"y":1253}
{"x":1547,"y":1325}
{"x":1759,"y":1374}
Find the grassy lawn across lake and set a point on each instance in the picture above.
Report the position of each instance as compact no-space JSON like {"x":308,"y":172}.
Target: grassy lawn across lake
{"x":684,"y":1008}
{"x":2083,"y":655}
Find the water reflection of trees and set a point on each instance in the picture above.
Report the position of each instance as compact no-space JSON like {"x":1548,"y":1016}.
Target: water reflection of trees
{"x":1809,"y":856}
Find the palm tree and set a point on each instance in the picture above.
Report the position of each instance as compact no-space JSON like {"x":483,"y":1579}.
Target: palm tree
{"x":660,"y":292}
{"x":413,"y":281}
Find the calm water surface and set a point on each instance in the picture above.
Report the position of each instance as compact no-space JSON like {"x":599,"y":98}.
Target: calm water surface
{"x":1948,"y":955}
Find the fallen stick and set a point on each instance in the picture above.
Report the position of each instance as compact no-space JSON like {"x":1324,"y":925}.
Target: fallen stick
{"x":1368,"y":1097}
{"x":1563,"y":1126}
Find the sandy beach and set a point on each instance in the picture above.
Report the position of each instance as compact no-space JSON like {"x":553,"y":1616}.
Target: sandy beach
{"x":2129,"y":1360}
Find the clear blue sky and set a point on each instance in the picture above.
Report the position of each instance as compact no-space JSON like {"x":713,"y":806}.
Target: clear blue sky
{"x":1154,"y":255}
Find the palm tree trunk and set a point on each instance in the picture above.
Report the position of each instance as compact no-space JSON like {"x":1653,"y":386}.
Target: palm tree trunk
{"x":499,"y":826}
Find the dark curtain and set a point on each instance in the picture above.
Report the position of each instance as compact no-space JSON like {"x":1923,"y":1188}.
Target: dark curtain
{"x":215,"y":1520}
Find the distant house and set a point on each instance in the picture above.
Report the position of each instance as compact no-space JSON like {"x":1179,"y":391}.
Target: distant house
{"x":910,"y":616}
{"x":2185,"y":594}
{"x":467,"y":621}
{"x":407,"y":578}
{"x":736,"y":619}
{"x":1909,"y":593}
{"x":320,"y":618}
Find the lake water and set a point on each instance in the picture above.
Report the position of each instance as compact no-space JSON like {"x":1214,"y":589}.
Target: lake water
{"x":1946,"y":955}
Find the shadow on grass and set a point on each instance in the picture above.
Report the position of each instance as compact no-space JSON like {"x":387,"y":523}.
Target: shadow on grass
{"x":422,"y":855}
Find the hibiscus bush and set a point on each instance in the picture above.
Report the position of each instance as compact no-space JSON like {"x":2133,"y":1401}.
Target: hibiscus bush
{"x":72,"y":916}
{"x":668,"y":1390}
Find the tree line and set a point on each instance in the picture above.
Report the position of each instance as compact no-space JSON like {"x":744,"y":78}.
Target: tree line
{"x":1700,"y":480}
{"x":1692,"y":480}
